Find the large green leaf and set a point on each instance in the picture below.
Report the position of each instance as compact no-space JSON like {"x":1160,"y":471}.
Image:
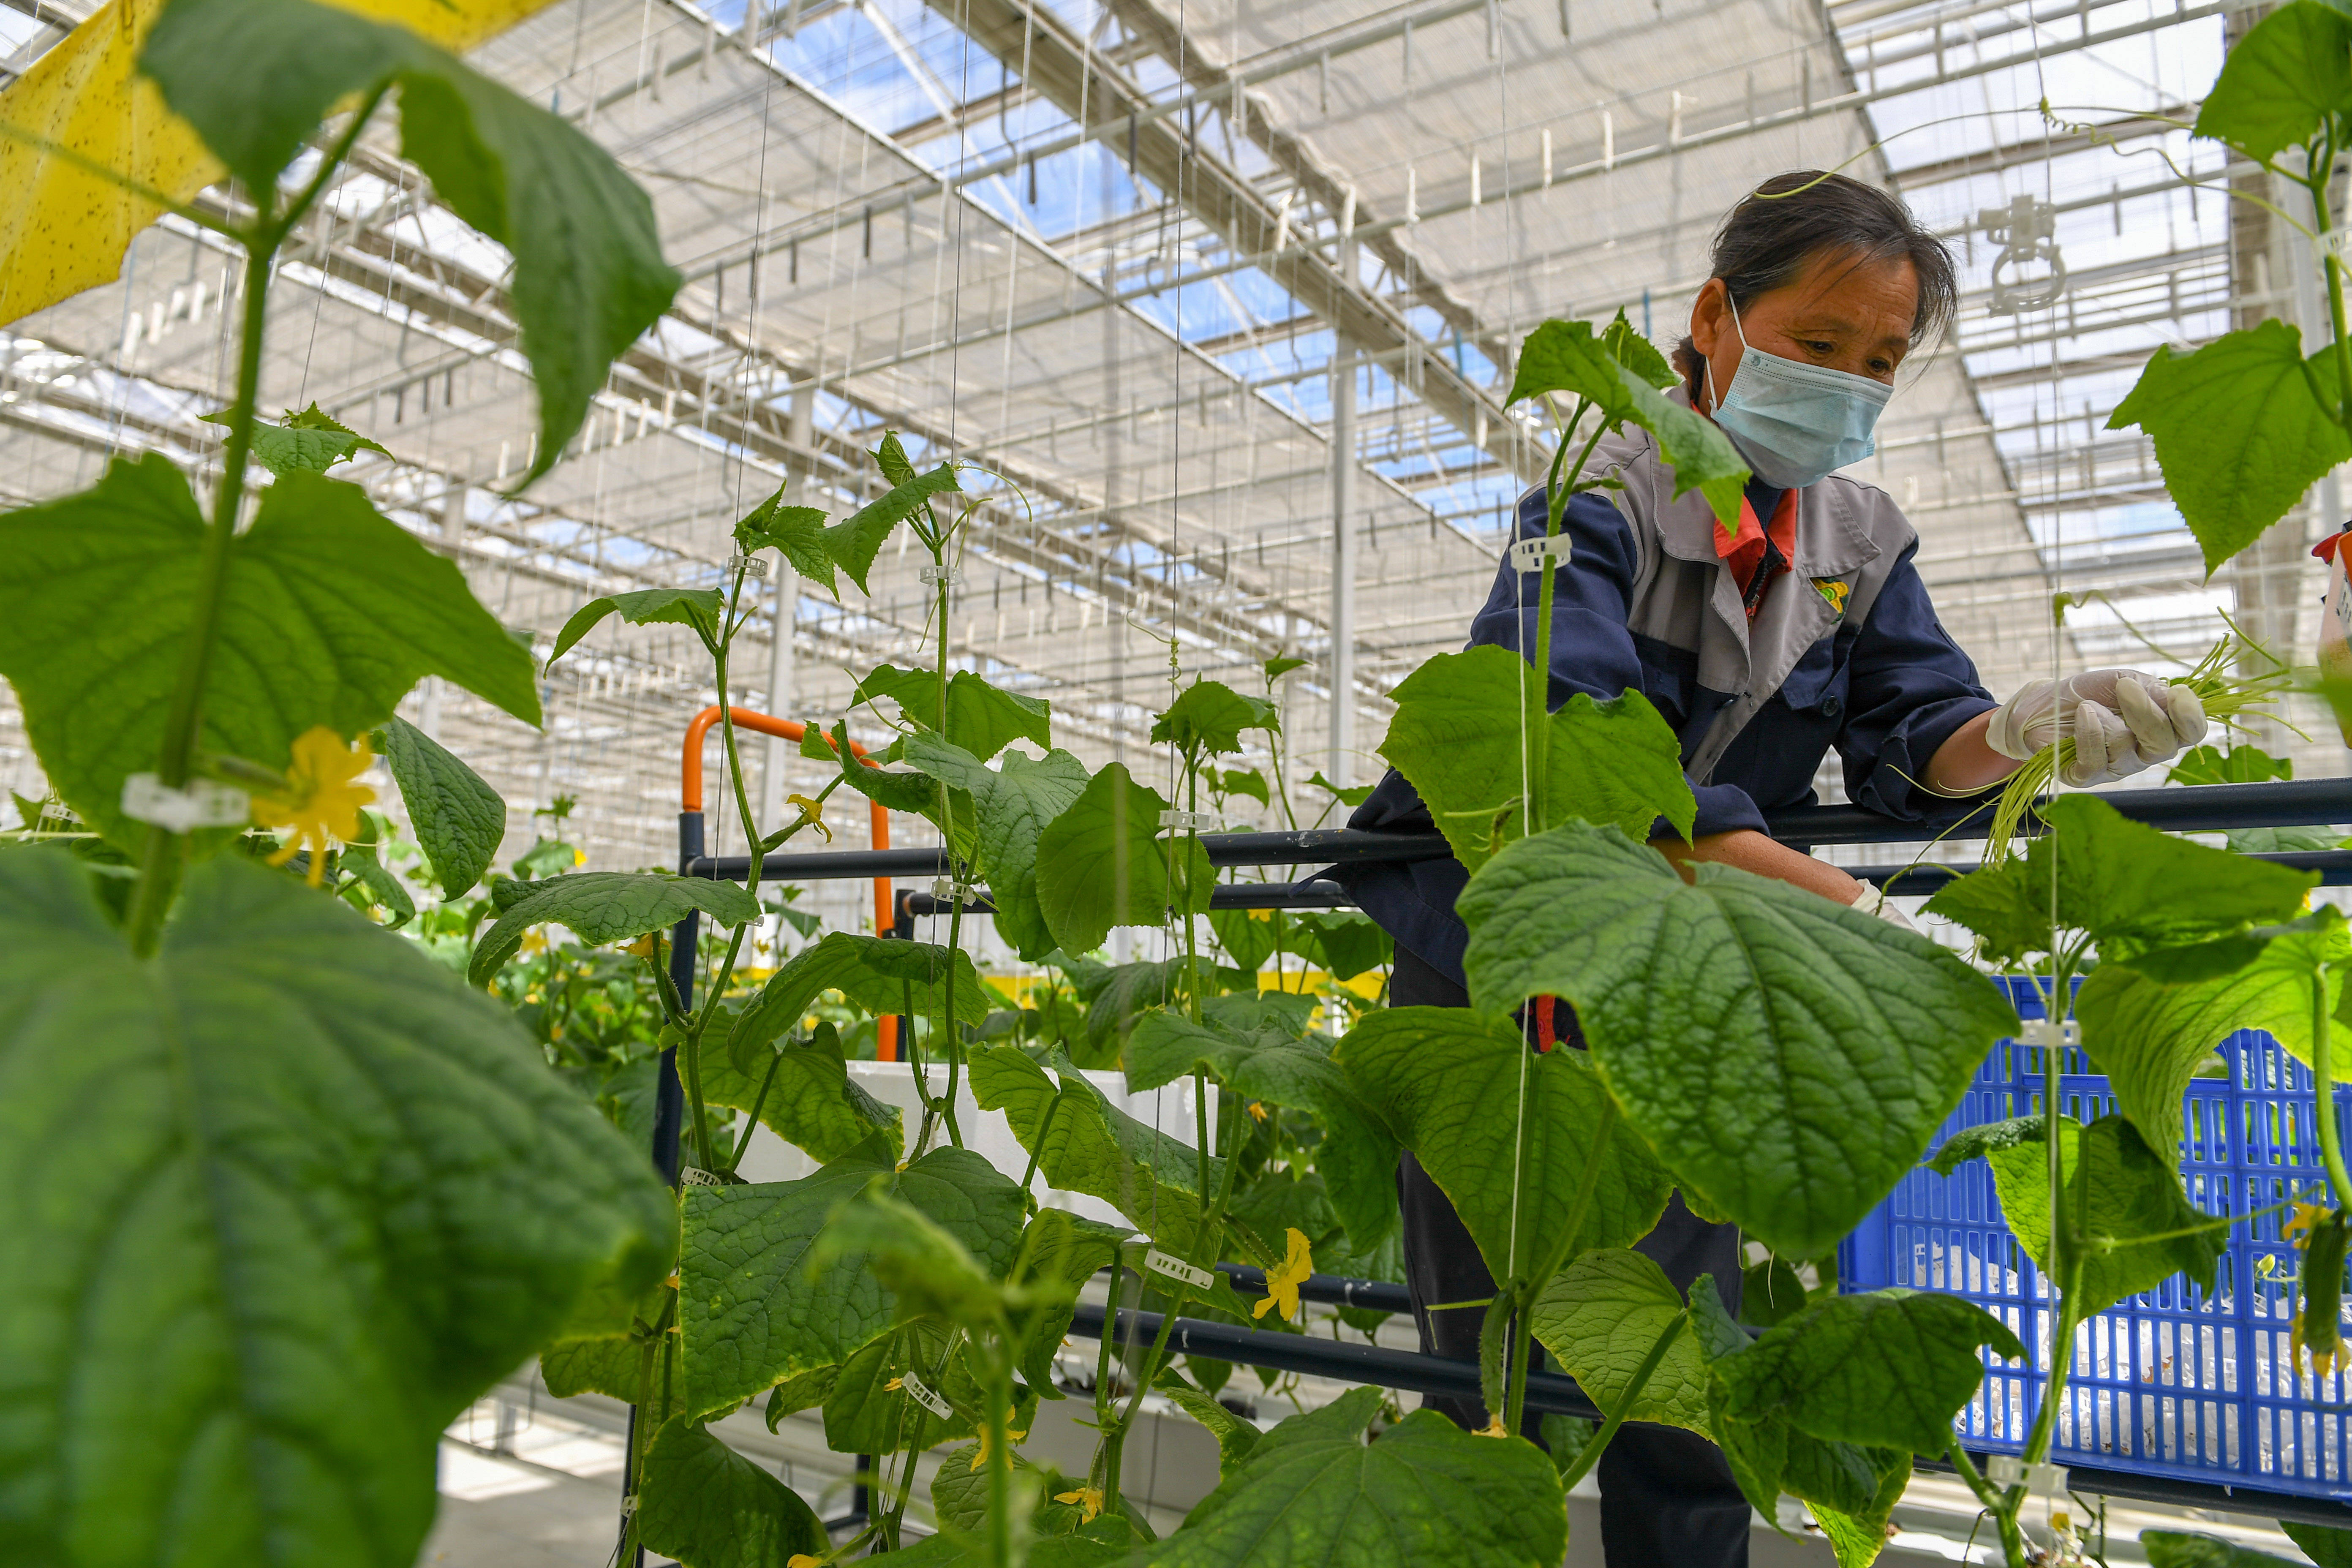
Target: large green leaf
{"x":1789,"y":1058}
{"x":794,"y":533}
{"x":1349,"y":943}
{"x":2117,"y":1189}
{"x":1312,"y":1490}
{"x":2121,"y":882}
{"x":1357,"y":1156}
{"x":2327,"y":1547}
{"x":922,"y":1263}
{"x":330,"y":614}
{"x":854,"y":542}
{"x":1637,"y":353}
{"x":754,"y":1310}
{"x":704,"y":1504}
{"x":2242,"y":426}
{"x":600,"y":907}
{"x":1005,"y":809}
{"x":1448,"y":1082}
{"x":317,"y":1198}
{"x":1601,"y":1317}
{"x":1889,"y":1369}
{"x":613,"y":1364}
{"x":1456,"y":738}
{"x":1208,"y":718}
{"x":1101,"y":864}
{"x":811,"y":1101}
{"x":1118,"y":996}
{"x":1852,"y":1490}
{"x":1086,"y":1144}
{"x":982,"y":720}
{"x":1566,"y":356}
{"x":2149,"y":1035}
{"x":876,"y":974}
{"x":2281,"y":82}
{"x":698,"y":608}
{"x":459,"y":821}
{"x":1010,"y":806}
{"x":864,"y":1414}
{"x":589,"y":277}
{"x":311,"y":441}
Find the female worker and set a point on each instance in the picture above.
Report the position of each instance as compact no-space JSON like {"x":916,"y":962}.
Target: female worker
{"x":1809,"y":628}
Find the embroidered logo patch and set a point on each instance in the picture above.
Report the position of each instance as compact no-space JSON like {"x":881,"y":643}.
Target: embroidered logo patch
{"x":1834,"y":591}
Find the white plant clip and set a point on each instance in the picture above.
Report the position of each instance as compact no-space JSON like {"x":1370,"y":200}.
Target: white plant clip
{"x":2038,"y":1032}
{"x":204,"y":803}
{"x":1188,"y":821}
{"x":942,"y":890}
{"x":1160,"y":1262}
{"x":947,"y":575}
{"x":750,"y":565}
{"x":695,"y":1176}
{"x":2027,"y":232}
{"x":916,"y":1389}
{"x":1529,"y":554}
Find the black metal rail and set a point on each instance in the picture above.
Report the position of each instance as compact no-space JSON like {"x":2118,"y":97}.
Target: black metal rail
{"x":1317,"y":1357}
{"x":2210,"y":808}
{"x":1314,"y":1356}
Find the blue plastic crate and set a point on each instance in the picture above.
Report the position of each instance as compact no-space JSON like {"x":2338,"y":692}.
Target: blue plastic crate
{"x":2174,"y":1382}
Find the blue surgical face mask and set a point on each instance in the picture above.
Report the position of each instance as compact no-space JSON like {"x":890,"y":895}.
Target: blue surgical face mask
{"x":1796,"y":423}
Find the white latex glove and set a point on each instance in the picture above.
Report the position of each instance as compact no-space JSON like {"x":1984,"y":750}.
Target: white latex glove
{"x":2122,"y":721}
{"x":1873,"y":900}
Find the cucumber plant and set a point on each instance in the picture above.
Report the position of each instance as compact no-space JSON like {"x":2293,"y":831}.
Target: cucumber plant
{"x":2246,"y":425}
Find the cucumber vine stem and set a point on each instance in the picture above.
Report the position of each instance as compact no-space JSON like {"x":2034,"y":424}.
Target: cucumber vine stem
{"x":183,"y":719}
{"x":1589,"y":1455}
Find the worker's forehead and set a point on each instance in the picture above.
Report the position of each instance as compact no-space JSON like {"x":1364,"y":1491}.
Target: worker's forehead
{"x":1856,"y":293}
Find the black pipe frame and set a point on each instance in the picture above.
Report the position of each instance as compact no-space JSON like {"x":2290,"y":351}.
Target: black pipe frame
{"x":2208,"y":808}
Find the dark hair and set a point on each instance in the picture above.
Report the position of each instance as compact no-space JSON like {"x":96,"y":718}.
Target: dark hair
{"x":1768,"y":240}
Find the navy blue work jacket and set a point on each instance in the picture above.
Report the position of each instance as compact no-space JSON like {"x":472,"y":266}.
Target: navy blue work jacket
{"x":1887,"y":693}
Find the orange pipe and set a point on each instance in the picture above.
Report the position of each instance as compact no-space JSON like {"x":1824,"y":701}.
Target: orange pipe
{"x":886,"y":1043}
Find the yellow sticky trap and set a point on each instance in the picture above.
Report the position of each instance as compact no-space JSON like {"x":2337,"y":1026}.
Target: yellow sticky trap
{"x":66,"y":230}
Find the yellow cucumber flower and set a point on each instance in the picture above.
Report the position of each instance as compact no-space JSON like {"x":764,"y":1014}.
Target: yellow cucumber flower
{"x":1282,"y":1284}
{"x":2299,"y":1225}
{"x":321,"y":804}
{"x":812,"y":813}
{"x":803,"y":1560}
{"x":988,"y":1441}
{"x":1088,"y":1499}
{"x":1257,"y":1112}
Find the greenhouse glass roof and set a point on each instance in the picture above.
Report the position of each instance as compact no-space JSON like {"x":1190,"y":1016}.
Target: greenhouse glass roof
{"x":1121,"y":255}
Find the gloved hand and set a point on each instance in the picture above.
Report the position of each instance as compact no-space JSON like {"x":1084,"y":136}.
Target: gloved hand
{"x":1873,"y":900}
{"x":2121,"y":720}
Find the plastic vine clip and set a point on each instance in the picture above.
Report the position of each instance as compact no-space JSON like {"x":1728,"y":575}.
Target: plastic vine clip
{"x":695,"y":1176}
{"x":947,"y":575}
{"x":2038,"y":1032}
{"x":204,"y":803}
{"x":916,"y":1389}
{"x":1529,"y":554}
{"x":1160,"y":1262}
{"x":1188,"y":821}
{"x":750,"y":565}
